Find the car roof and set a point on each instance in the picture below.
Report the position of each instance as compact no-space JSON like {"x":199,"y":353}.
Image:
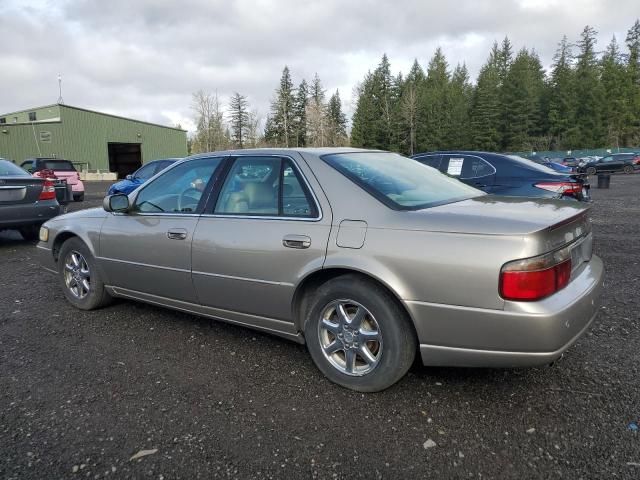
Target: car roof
{"x":284,"y":151}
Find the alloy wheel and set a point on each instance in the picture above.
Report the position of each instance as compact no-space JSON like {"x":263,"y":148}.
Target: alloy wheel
{"x":77,"y":276}
{"x":350,"y":337}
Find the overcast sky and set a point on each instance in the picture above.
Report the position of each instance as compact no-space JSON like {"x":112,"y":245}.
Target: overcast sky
{"x":144,"y":58}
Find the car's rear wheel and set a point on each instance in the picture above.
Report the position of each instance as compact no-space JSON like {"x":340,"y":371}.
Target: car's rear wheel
{"x":358,"y":335}
{"x":80,"y":278}
{"x":591,"y":171}
{"x":627,"y":169}
{"x":79,"y":197}
{"x":30,"y":233}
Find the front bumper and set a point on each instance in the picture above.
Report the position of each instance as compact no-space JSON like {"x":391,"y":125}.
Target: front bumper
{"x":523,"y":334}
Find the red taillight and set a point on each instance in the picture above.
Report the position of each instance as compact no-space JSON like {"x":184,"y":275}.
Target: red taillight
{"x":48,"y":191}
{"x":564,"y":188}
{"x":636,"y":161}
{"x":535,"y":278}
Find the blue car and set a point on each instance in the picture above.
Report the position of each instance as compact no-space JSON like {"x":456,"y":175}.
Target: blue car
{"x":507,"y":174}
{"x":137,"y":178}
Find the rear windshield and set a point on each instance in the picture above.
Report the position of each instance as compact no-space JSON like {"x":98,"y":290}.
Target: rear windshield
{"x":59,"y":165}
{"x":9,"y":169}
{"x":531,"y":164}
{"x":399,"y":182}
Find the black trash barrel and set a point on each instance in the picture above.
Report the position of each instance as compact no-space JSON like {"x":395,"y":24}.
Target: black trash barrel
{"x":603,"y":180}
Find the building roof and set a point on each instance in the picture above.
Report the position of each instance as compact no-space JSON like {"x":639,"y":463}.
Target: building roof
{"x":62,"y":105}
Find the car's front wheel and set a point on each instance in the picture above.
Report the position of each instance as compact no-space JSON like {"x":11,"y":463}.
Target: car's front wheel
{"x":627,"y":169}
{"x":79,"y":276}
{"x":358,"y":335}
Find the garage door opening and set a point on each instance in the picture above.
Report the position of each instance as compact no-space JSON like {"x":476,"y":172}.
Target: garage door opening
{"x":124,"y":158}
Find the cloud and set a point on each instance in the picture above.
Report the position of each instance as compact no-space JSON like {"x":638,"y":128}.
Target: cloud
{"x":144,"y":58}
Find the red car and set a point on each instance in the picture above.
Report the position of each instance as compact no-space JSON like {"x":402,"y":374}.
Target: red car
{"x":63,"y":169}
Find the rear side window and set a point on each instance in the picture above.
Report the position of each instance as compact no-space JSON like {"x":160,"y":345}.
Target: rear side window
{"x":264,"y":186}
{"x":466,"y":167}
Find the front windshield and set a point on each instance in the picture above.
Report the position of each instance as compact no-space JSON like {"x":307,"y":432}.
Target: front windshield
{"x":399,"y":182}
{"x":9,"y":169}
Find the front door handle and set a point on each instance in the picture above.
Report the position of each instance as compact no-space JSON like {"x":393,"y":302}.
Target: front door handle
{"x":296,"y":241}
{"x":177,"y":234}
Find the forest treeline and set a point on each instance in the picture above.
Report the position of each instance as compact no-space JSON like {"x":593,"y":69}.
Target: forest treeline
{"x":588,"y":99}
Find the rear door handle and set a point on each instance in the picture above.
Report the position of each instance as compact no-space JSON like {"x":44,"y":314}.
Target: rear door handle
{"x":296,"y":241}
{"x":177,"y":234}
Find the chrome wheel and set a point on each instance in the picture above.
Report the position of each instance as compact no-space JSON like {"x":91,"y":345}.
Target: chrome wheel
{"x":350,"y":337}
{"x":77,"y":276}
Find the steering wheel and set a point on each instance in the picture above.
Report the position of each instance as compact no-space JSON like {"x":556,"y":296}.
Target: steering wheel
{"x":183,"y":197}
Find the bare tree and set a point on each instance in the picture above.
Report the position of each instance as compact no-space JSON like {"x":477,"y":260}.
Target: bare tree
{"x":210,"y":129}
{"x":409,"y":110}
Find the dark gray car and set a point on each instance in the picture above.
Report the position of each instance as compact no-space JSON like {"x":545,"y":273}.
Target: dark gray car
{"x":26,"y":202}
{"x":366,"y":256}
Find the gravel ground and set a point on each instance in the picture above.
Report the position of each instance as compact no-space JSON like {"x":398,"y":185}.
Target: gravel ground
{"x":82,"y":392}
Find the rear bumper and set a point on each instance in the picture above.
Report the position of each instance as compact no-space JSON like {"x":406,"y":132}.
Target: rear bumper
{"x":523,"y":334}
{"x":77,"y":187}
{"x":15,"y":216}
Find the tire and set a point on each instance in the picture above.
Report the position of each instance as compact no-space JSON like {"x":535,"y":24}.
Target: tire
{"x":79,"y":197}
{"x":591,"y":171}
{"x":76,"y":264}
{"x":627,"y":169}
{"x":393,"y":344}
{"x":30,"y":233}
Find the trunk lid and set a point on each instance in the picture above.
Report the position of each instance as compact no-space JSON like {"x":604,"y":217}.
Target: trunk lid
{"x":498,"y":215}
{"x":19,"y":190}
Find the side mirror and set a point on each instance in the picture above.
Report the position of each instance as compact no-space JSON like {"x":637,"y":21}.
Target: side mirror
{"x":30,"y":170}
{"x":129,"y":177}
{"x":116,"y":203}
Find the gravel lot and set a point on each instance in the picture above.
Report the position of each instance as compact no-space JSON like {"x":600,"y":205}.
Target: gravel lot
{"x":82,"y":392}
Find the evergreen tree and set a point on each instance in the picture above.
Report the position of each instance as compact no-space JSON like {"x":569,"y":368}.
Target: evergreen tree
{"x":485,"y":111}
{"x":522,"y":92}
{"x":281,"y":128}
{"x":434,"y":119}
{"x":239,"y":119}
{"x":588,"y":92}
{"x":562,"y":102}
{"x":410,"y":108}
{"x":460,"y":95}
{"x":632,"y":118}
{"x":300,"y":114}
{"x":373,"y":120}
{"x":337,"y":121}
{"x":614,"y":87}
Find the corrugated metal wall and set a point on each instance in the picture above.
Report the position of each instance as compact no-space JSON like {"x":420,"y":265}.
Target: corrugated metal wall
{"x":83,"y":137}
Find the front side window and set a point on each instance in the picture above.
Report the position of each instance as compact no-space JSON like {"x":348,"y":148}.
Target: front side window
{"x":399,"y":182}
{"x":178,"y":190}
{"x":264,"y":186}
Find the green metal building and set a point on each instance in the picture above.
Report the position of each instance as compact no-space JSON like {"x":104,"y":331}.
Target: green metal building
{"x":92,"y":140}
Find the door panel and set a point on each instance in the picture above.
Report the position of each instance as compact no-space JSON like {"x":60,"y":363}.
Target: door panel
{"x":267,"y":232}
{"x":138,"y":254}
{"x":242,"y":264}
{"x":149,"y":248}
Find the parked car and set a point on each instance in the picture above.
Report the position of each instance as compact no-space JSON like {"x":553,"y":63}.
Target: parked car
{"x":507,"y":174}
{"x":617,"y":162}
{"x":556,"y":166}
{"x":570,"y":161}
{"x":366,"y":256}
{"x":25,"y":202}
{"x":63,"y":169}
{"x":144,"y":173}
